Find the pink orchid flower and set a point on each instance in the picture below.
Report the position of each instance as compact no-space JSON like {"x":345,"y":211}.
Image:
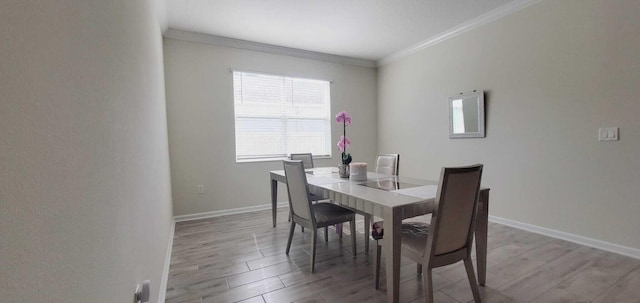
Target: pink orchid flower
{"x":343,"y":117}
{"x":343,"y":143}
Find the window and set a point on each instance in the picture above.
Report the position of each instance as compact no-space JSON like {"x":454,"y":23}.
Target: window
{"x":276,"y":116}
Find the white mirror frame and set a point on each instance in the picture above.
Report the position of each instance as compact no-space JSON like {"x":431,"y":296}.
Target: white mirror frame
{"x":479,"y":98}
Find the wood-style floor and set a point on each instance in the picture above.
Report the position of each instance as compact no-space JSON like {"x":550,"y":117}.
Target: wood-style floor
{"x":240,"y":258}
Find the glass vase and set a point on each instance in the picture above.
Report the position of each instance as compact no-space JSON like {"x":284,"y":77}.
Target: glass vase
{"x":343,"y":170}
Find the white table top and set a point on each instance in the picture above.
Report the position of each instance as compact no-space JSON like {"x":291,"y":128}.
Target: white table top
{"x":414,"y":195}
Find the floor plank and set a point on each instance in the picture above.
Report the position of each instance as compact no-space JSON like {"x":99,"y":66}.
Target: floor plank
{"x":241,"y":258}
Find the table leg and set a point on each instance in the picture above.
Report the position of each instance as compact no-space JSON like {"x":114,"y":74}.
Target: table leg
{"x":367,"y":232}
{"x":392,"y":240}
{"x":482,"y":224}
{"x":274,"y":200}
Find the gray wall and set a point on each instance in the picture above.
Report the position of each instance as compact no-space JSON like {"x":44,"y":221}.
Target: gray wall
{"x":201,"y":124}
{"x":553,"y":73}
{"x":85,"y":198}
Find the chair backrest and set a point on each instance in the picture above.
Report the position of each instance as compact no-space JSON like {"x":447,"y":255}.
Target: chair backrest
{"x":388,"y":164}
{"x":299,"y":200}
{"x":307,"y":159}
{"x":453,"y":221}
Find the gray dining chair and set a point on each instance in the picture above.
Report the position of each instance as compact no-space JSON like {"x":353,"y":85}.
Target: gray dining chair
{"x":312,"y":215}
{"x":448,"y":239}
{"x":388,"y":164}
{"x":306,"y":158}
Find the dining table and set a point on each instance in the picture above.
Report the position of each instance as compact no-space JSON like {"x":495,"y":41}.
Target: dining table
{"x":392,"y":198}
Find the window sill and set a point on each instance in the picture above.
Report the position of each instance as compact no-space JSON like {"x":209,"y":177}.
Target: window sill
{"x":275,"y":159}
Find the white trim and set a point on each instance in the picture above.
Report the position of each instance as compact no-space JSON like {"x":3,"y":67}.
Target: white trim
{"x":474,"y":23}
{"x":167,"y":262}
{"x":266,"y":48}
{"x":608,"y":246}
{"x":225,"y":212}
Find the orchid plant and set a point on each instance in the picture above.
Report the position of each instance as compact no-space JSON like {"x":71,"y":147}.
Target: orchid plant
{"x":345,"y":119}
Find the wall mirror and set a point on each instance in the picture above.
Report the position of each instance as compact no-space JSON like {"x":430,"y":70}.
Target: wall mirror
{"x":466,"y":115}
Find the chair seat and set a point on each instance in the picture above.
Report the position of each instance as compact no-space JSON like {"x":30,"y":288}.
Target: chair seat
{"x":315,"y":197}
{"x":377,"y":228}
{"x":329,"y":214}
{"x":414,"y":236}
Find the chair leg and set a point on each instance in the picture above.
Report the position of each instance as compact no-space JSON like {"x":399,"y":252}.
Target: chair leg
{"x":314,"y":235}
{"x":367,"y":232}
{"x":293,"y":227}
{"x":326,"y":234}
{"x":468,"y":264}
{"x":377,"y":267}
{"x":419,"y":269}
{"x":352,"y":224}
{"x":428,"y":285}
{"x":302,"y":227}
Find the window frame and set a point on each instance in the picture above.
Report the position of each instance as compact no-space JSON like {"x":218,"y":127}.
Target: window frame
{"x":284,"y":117}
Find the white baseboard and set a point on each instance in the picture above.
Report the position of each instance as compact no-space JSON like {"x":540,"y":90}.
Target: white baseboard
{"x":615,"y":248}
{"x":225,"y":212}
{"x":167,"y":262}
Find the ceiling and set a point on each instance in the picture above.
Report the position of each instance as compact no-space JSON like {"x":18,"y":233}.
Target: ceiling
{"x":363,"y":29}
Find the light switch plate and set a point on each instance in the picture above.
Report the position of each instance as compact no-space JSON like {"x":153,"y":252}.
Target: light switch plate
{"x":608,"y":134}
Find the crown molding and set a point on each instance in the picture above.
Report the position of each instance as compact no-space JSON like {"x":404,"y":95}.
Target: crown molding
{"x":262,"y":47}
{"x":474,"y":23}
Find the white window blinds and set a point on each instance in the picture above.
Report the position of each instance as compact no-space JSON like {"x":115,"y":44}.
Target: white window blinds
{"x":276,"y":116}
